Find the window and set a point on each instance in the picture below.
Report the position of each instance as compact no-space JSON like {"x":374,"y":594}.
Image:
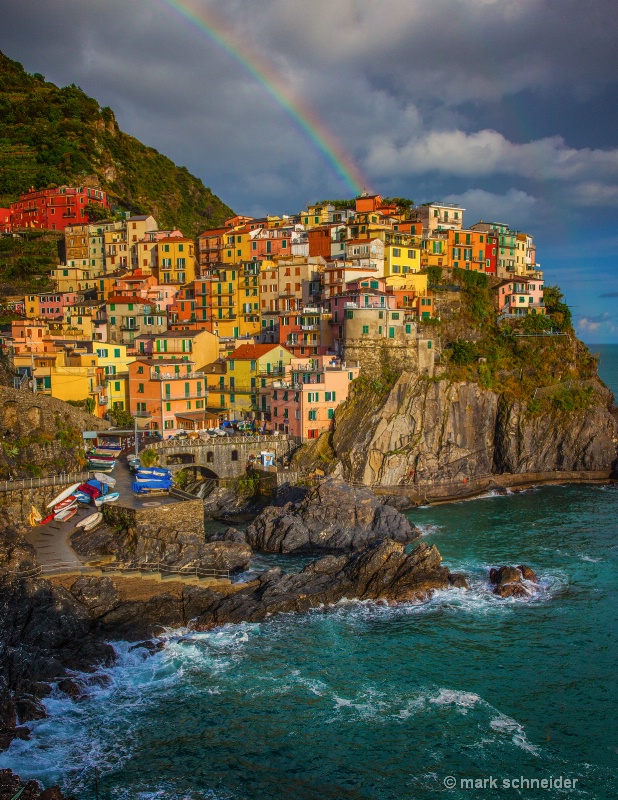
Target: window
{"x":168,"y":406}
{"x":331,"y":413}
{"x":313,"y":415}
{"x":234,"y":455}
{"x":395,"y":315}
{"x":365,"y":328}
{"x":140,"y":388}
{"x":168,"y":424}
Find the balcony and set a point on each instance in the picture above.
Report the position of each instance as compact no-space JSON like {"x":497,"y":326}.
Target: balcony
{"x":129,"y":327}
{"x":168,"y":376}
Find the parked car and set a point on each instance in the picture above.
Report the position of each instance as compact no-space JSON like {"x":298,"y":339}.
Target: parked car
{"x":181,"y":435}
{"x":224,"y":432}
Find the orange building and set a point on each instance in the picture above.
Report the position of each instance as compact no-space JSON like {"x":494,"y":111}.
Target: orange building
{"x":170,"y":392}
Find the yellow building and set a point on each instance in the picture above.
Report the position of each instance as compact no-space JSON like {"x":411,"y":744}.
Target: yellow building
{"x":199,"y":347}
{"x":69,"y":278}
{"x":236,"y":246}
{"x":414,"y":282}
{"x":117,"y":251}
{"x":227,"y":301}
{"x":176,"y":260}
{"x":401,"y":259}
{"x":251,"y":369}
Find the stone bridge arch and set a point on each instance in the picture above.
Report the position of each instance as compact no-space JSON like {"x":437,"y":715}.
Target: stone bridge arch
{"x":226,"y":458}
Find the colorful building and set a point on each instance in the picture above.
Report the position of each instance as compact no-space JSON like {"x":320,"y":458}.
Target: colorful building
{"x":303,"y":403}
{"x":169,"y":392}
{"x":54,"y":209}
{"x":250,"y":372}
{"x":176,"y":260}
{"x":520,"y":297}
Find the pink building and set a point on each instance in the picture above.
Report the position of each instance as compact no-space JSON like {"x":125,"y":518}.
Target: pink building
{"x":303,"y":403}
{"x":161,"y":296}
{"x":521,"y":296}
{"x":52,"y":306}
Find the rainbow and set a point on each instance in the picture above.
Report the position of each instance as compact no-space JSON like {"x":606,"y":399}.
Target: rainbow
{"x":264,"y":73}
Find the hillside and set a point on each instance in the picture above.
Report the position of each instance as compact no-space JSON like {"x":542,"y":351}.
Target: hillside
{"x":51,"y":135}
{"x":25,"y":262}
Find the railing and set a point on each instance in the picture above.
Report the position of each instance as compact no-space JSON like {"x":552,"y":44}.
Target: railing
{"x":31,"y":572}
{"x":168,"y":376}
{"x":166,"y":569}
{"x":213,"y":439}
{"x":53,"y":480}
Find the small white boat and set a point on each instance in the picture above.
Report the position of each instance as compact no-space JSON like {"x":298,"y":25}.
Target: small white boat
{"x":106,"y":498}
{"x":68,"y":502}
{"x":63,"y":495}
{"x":66,"y":513}
{"x":102,"y":478}
{"x":90,"y":522}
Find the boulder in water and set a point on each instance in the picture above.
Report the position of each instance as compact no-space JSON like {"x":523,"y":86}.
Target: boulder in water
{"x":512,"y":581}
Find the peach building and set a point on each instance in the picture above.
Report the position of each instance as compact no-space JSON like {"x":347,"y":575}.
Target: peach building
{"x":303,"y":403}
{"x":170,"y":392}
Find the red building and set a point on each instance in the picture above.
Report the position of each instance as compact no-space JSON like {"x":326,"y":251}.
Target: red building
{"x":319,"y":241}
{"x":491,"y":254}
{"x":54,"y":209}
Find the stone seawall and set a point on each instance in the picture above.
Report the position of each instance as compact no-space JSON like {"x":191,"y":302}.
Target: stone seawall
{"x":183,"y":517}
{"x":16,"y":505}
{"x":460,"y":490}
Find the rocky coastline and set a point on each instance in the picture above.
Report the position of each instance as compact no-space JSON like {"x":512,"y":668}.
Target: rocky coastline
{"x":53,"y":629}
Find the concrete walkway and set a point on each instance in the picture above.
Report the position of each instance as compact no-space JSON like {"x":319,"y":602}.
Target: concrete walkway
{"x":51,"y":542}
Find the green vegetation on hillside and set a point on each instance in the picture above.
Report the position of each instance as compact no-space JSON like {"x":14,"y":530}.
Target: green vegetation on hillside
{"x":52,"y":136}
{"x":513,"y":357}
{"x":25,"y":262}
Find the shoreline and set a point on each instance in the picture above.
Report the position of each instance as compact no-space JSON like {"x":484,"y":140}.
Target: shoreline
{"x":456,"y":491}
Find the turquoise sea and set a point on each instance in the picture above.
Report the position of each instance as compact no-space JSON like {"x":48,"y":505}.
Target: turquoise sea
{"x":369,"y":701}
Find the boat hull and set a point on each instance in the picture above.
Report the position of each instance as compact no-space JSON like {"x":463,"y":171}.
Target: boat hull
{"x":63,"y":495}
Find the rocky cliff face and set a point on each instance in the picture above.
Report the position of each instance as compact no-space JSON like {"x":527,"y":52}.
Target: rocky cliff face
{"x":425,"y":431}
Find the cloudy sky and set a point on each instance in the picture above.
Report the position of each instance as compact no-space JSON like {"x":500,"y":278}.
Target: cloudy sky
{"x":505,"y":106}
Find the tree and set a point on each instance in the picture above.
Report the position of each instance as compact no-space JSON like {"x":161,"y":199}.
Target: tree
{"x":559,"y":311}
{"x":89,"y":405}
{"x":122,"y":418}
{"x":434,"y":274}
{"x":96,"y":213}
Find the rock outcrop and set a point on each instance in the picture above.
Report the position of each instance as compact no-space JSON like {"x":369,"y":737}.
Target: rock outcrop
{"x":225,"y":504}
{"x":425,"y":432}
{"x":333,"y":518}
{"x":513,"y":581}
{"x":11,"y":786}
{"x":382,"y":571}
{"x":44,"y":630}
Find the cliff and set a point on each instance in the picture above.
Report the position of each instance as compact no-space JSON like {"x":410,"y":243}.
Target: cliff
{"x":422,"y":434}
